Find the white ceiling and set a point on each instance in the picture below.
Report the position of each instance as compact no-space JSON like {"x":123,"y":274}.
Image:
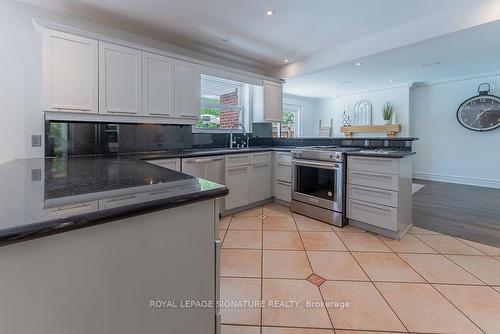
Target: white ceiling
{"x":299,"y":29}
{"x":472,"y":51}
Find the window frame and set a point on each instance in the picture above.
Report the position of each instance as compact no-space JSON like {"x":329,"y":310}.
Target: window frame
{"x":241,"y":104}
{"x":297,"y":110}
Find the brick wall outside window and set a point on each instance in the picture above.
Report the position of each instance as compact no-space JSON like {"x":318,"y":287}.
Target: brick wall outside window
{"x":229,"y":117}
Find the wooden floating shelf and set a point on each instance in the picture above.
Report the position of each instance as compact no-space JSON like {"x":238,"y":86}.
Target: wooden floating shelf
{"x":390,"y":130}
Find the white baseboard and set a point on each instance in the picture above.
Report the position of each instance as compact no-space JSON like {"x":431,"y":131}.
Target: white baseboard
{"x":472,"y":181}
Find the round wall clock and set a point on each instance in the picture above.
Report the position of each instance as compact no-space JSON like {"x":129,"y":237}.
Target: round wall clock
{"x":480,"y":112}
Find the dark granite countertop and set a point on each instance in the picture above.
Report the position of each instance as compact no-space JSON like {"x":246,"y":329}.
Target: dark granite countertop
{"x":45,"y":196}
{"x":388,"y":153}
{"x":201,"y":152}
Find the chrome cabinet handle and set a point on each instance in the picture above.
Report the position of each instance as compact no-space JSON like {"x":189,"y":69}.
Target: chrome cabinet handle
{"x":202,"y":160}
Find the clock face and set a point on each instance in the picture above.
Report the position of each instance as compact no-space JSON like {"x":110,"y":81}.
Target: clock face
{"x":480,"y":113}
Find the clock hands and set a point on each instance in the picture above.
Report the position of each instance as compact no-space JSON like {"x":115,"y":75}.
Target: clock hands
{"x":480,"y":114}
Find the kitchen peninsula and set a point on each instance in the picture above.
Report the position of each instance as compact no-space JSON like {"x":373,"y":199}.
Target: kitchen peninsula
{"x":87,"y":242}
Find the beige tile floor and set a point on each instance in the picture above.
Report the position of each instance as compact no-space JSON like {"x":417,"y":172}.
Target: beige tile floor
{"x":302,"y":276}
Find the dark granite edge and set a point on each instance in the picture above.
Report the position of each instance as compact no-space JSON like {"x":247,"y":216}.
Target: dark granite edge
{"x":56,"y":226}
{"x":205,"y":153}
{"x":211,"y":152}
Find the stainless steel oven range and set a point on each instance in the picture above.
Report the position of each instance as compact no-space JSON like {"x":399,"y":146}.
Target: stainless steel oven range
{"x":318,"y":185}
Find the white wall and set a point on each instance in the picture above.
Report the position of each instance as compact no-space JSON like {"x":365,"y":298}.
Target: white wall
{"x":328,"y":108}
{"x":446,"y":150}
{"x":398,"y":96}
{"x":324,"y":110}
{"x":20,"y":83}
{"x":306,"y":113}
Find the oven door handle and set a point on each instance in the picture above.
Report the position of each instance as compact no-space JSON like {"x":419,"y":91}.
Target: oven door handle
{"x":333,"y":166}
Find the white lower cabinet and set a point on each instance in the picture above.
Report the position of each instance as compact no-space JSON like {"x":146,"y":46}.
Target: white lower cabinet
{"x":238,"y":183}
{"x":374,"y":214}
{"x":283,"y":191}
{"x":283,"y":176}
{"x":379,"y":194}
{"x":260,"y":188}
{"x":174,"y":164}
{"x":248,"y":177}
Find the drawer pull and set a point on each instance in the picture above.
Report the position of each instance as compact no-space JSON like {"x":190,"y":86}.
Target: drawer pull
{"x":370,"y":191}
{"x":374,"y":208}
{"x":366,"y":175}
{"x":80,"y":206}
{"x":283,"y":183}
{"x":120,"y":199}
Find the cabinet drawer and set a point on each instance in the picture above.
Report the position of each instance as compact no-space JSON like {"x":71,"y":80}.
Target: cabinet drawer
{"x":283,"y":172}
{"x":284,"y":158}
{"x":383,"y":181}
{"x":283,"y":191}
{"x":373,"y":165}
{"x":116,"y":202}
{"x":373,"y":214}
{"x":235,"y":160}
{"x":260,"y":158}
{"x":373,"y":195}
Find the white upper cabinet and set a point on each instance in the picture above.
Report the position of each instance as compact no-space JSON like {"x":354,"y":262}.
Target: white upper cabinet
{"x":158,"y":85}
{"x":120,"y":80}
{"x":69,"y":73}
{"x":273,"y":101}
{"x":187,"y":90}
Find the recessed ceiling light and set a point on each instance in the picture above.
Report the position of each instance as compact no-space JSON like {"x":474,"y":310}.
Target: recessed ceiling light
{"x":270,"y":12}
{"x":392,"y":81}
{"x":345,"y":82}
{"x":286,"y":60}
{"x":358,"y":64}
{"x":225,"y":38}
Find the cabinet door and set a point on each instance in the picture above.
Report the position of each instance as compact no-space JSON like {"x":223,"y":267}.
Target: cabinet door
{"x":187,"y":90}
{"x":273,"y":101}
{"x":174,"y":164}
{"x":260,"y":184}
{"x":158,"y":85}
{"x":238,"y":183}
{"x":120,"y":80}
{"x":209,"y":168}
{"x":69,"y":73}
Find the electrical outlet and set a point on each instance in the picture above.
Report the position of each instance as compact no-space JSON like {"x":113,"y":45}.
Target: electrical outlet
{"x":36,"y":141}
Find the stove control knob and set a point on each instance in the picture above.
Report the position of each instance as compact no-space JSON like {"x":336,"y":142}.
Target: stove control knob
{"x":331,"y":156}
{"x":337,"y":156}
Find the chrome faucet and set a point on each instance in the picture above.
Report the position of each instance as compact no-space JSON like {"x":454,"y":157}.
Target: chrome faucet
{"x":236,"y":126}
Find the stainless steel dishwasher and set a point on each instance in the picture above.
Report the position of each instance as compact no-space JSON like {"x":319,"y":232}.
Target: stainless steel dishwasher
{"x":209,"y":168}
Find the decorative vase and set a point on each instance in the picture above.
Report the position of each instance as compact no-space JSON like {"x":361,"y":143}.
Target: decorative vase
{"x":388,"y":121}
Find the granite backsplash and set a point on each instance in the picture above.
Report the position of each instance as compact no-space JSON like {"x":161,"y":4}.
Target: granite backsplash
{"x":83,"y":138}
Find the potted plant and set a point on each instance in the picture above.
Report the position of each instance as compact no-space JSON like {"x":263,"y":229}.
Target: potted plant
{"x":387,"y":113}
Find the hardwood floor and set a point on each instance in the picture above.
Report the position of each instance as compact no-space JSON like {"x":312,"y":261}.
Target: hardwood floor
{"x":468,"y":212}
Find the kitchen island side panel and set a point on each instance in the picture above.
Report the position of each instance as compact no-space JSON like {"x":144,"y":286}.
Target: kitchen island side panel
{"x":101,"y":279}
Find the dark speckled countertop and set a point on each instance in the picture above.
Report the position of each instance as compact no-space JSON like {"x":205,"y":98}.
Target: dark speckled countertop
{"x":45,"y":196}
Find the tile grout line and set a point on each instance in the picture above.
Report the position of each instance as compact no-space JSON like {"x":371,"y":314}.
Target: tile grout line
{"x":261,"y":267}
{"x":447,"y":257}
{"x":485,"y":254}
{"x":373,"y":284}
{"x":433,"y":287}
{"x":449,"y":301}
{"x":312,"y":270}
